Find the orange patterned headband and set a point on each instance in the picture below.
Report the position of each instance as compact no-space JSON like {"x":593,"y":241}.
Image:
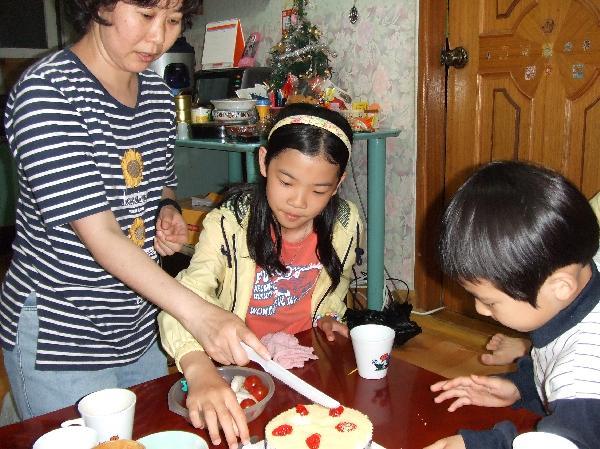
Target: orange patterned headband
{"x":314,"y":121}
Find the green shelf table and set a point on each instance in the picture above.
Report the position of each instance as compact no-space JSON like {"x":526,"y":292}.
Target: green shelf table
{"x":376,"y":155}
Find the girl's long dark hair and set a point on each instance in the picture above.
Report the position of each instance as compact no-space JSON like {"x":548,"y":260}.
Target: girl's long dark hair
{"x":311,"y":141}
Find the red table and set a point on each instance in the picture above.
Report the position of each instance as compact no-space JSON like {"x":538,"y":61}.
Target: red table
{"x":400,"y":405}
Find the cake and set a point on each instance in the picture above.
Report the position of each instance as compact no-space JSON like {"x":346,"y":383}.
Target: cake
{"x":314,"y":427}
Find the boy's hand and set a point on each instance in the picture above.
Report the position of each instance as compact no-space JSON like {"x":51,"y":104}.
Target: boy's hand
{"x":330,"y":326}
{"x":486,"y":391}
{"x":171,"y":231}
{"x":453,"y":442}
{"x":211,"y":402}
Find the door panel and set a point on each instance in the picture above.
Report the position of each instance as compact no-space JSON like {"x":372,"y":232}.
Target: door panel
{"x":530,"y":91}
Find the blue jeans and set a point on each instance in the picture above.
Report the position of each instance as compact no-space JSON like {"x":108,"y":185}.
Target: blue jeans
{"x":37,"y":392}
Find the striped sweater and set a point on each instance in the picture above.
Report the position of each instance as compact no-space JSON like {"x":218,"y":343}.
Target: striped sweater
{"x":79,"y":152}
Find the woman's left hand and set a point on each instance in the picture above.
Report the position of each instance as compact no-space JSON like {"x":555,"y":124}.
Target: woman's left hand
{"x":171,"y":231}
{"x":330,"y":326}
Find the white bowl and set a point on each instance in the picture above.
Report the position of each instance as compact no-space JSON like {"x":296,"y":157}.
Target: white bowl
{"x":234,"y":104}
{"x":223,"y":115}
{"x":173,"y":439}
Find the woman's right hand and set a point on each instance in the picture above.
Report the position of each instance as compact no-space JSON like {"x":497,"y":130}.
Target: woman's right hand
{"x":211,"y":401}
{"x":220,"y":332}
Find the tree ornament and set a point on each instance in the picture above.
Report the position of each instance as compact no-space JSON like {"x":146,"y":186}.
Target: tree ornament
{"x":353,"y":15}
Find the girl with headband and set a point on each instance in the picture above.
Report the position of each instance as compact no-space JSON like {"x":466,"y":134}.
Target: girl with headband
{"x":278,"y":253}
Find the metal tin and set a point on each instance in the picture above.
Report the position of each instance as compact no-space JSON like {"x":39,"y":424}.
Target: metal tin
{"x":183,"y":102}
{"x":183,"y":116}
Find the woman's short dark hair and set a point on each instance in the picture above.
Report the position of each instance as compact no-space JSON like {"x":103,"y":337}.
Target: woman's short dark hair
{"x":513,"y":224}
{"x":83,"y":12}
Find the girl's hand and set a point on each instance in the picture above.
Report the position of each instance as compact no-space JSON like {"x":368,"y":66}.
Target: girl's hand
{"x":453,"y":442}
{"x":486,"y":391}
{"x":210,"y":402}
{"x":171,"y":231}
{"x":330,"y":326}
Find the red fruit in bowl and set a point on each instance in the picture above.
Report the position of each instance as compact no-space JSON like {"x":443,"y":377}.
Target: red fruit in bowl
{"x":247,"y":403}
{"x":259,"y":392}
{"x":252,"y":382}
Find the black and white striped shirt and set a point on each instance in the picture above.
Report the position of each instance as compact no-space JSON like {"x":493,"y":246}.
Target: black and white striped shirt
{"x":79,"y":152}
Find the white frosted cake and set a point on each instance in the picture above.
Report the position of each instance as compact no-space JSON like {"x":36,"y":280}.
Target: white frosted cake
{"x":316,"y":427}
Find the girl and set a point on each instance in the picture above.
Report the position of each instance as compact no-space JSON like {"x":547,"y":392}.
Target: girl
{"x":92,"y":132}
{"x":278,"y":253}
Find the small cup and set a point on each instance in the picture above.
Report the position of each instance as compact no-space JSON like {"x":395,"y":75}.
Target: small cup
{"x":539,"y":440}
{"x":77,"y":437}
{"x":109,"y":412}
{"x":200,"y":115}
{"x":372,"y":345}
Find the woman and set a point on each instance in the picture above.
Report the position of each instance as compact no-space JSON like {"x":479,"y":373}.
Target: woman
{"x":92,"y":133}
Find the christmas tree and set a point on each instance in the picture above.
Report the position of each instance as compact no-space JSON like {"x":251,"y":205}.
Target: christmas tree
{"x":299,"y":53}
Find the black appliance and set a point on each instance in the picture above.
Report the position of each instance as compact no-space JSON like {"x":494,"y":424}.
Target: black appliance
{"x":218,"y":84}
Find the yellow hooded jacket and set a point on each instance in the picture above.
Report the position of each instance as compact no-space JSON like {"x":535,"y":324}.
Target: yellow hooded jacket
{"x":222,"y":272}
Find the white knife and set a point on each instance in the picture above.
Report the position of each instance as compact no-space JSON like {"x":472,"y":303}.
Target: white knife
{"x":291,"y":380}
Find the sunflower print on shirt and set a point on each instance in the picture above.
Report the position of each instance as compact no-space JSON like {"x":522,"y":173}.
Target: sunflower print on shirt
{"x":137,"y":232}
{"x":132,"y":166}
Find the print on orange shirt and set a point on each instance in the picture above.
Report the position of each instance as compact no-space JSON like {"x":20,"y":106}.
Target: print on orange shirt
{"x":282,"y":302}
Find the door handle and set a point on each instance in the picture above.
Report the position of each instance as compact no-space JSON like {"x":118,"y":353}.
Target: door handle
{"x":457,"y":57}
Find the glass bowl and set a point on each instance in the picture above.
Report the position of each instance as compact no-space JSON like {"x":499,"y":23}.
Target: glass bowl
{"x":242,"y":132}
{"x":176,"y":396}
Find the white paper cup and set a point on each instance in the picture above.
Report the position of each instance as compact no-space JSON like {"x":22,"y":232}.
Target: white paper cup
{"x":77,"y":437}
{"x":542,"y":440}
{"x":109,"y":412}
{"x":200,"y":115}
{"x":372,"y":345}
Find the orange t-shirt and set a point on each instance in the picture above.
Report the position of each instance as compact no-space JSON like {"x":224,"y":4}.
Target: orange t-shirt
{"x":282,"y":302}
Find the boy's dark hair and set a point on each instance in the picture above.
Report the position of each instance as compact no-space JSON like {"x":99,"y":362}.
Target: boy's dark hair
{"x":312,"y":141}
{"x":82,"y":12}
{"x":513,"y":224}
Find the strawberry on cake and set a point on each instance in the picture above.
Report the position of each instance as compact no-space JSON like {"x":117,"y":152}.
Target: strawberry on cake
{"x":314,"y":427}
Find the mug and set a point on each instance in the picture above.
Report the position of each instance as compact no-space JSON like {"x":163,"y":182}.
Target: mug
{"x":76,"y":437}
{"x":109,"y":412}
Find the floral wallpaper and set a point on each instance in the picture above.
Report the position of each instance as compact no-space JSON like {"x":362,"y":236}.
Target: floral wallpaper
{"x":377,"y":62}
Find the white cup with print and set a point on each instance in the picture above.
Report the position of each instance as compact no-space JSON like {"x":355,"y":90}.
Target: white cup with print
{"x":372,"y":345}
{"x":542,"y":440}
{"x":109,"y":412}
{"x":76,"y":437}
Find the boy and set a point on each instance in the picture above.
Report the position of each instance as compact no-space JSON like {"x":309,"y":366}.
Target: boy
{"x":520,"y":239}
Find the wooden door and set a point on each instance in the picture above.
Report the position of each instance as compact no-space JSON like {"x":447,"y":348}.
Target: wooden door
{"x":530,"y":91}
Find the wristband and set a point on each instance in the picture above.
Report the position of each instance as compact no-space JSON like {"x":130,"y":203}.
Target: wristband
{"x":167,"y":202}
